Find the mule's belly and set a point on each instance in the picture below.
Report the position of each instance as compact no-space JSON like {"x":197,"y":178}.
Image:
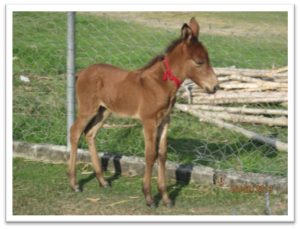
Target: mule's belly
{"x":122,"y":113}
{"x":124,"y":106}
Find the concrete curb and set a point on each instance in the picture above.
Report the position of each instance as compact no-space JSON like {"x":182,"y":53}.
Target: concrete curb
{"x":136,"y":167}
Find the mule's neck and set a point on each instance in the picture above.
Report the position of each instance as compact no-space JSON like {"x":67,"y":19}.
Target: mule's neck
{"x":176,"y":71}
{"x":158,"y":70}
{"x":168,"y":75}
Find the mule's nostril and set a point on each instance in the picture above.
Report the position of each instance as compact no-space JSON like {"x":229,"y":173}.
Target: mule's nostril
{"x":213,"y":90}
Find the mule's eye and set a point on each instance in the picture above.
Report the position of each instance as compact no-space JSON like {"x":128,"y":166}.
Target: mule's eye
{"x":199,"y":63}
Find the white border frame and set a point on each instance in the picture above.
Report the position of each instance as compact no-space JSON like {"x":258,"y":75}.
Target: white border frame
{"x":10,"y":8}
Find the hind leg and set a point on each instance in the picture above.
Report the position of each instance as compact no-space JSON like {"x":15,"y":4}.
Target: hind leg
{"x":91,"y":132}
{"x":75,"y":133}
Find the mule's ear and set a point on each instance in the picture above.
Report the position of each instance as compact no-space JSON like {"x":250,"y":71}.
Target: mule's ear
{"x":186,"y":32}
{"x":194,"y":27}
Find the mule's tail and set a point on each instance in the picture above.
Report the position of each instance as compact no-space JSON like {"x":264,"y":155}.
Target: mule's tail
{"x":77,"y":74}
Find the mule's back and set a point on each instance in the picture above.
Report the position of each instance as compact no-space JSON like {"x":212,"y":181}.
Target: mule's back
{"x":114,"y":88}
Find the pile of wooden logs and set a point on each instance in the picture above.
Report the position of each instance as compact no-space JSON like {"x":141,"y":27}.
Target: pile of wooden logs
{"x":240,"y":87}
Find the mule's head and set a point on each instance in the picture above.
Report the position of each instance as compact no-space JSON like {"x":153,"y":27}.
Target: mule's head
{"x":197,"y":65}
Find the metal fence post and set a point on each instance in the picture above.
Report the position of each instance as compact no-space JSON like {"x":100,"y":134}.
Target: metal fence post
{"x":70,"y":73}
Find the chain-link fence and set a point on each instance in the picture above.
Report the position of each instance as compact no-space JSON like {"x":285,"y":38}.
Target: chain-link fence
{"x":240,"y":127}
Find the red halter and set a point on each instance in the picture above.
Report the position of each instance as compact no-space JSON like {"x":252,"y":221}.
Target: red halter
{"x":168,"y":74}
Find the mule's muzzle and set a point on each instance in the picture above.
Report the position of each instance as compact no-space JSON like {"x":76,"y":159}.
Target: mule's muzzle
{"x":213,"y":91}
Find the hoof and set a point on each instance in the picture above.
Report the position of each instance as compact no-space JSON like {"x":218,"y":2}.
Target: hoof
{"x":77,"y":189}
{"x":106,"y":186}
{"x":170,"y":204}
{"x":152,"y":205}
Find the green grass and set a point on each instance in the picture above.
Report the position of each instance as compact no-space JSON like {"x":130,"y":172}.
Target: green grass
{"x":246,"y":52}
{"x":39,"y":107}
{"x":40,"y":43}
{"x":43,"y":189}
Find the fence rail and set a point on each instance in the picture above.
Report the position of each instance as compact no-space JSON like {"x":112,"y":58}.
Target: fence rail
{"x":237,"y":42}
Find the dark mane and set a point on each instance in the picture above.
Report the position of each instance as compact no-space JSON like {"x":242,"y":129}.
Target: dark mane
{"x":155,"y":59}
{"x":172,"y":45}
{"x":160,"y":57}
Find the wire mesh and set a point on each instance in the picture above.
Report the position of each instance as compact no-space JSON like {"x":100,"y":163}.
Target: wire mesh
{"x":239,"y":43}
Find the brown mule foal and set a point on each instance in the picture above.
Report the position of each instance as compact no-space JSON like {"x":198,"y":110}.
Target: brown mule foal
{"x":147,"y":94}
